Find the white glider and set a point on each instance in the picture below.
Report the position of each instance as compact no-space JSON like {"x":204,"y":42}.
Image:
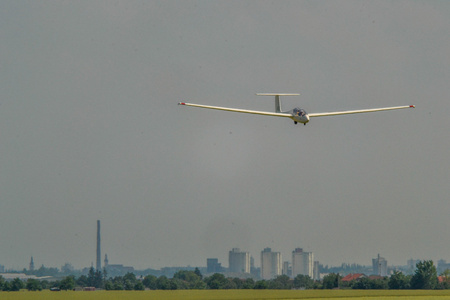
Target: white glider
{"x":298,"y":115}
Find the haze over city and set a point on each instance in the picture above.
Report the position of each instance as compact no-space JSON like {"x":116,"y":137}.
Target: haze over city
{"x":90,"y":130}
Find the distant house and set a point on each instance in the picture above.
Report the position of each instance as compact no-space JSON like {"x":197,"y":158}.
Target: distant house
{"x":351,"y":277}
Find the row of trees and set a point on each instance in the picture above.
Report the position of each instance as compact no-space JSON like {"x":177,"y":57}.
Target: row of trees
{"x":17,"y":284}
{"x":181,"y":280}
{"x":425,"y":277}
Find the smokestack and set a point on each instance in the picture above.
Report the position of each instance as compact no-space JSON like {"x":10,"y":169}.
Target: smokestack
{"x":99,"y":261}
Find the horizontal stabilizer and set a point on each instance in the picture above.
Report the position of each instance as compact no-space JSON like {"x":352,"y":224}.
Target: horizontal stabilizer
{"x":276,"y":94}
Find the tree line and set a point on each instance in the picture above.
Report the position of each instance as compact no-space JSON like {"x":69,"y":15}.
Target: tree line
{"x":425,"y":277}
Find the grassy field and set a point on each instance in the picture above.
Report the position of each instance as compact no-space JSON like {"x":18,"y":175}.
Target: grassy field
{"x":228,"y":294}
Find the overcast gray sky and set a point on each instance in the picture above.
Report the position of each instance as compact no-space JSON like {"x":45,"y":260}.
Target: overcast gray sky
{"x":90,"y":129}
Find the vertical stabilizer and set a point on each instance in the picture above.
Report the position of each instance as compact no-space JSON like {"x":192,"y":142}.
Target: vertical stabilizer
{"x":277,"y":99}
{"x":277,"y":104}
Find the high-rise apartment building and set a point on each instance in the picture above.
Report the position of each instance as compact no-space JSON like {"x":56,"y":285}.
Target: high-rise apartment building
{"x":239,"y":262}
{"x":271,"y":264}
{"x":379,"y":265}
{"x":316,"y":271}
{"x":302,"y":263}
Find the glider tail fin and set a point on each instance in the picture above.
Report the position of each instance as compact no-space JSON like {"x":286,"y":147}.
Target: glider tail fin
{"x":277,"y":104}
{"x":277,"y":99}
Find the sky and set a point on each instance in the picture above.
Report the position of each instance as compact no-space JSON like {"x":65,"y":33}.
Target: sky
{"x":90,"y":130}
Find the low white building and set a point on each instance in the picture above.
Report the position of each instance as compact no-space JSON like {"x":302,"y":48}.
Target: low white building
{"x":22,"y":276}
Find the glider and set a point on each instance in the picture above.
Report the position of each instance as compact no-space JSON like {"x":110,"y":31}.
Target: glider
{"x":298,"y":115}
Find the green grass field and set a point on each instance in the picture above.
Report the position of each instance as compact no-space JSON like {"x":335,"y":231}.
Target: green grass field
{"x":229,"y":294}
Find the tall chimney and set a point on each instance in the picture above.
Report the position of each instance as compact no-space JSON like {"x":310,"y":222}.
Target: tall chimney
{"x":99,"y":261}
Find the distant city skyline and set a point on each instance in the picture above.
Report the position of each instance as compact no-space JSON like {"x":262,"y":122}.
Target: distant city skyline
{"x":240,"y":263}
{"x":271,"y":263}
{"x":91,"y":130}
{"x":269,"y":259}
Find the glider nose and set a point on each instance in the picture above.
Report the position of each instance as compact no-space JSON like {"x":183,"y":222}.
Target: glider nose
{"x":304,"y":119}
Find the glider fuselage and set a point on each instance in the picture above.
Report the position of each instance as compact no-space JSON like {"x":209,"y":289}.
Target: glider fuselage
{"x":299,"y":115}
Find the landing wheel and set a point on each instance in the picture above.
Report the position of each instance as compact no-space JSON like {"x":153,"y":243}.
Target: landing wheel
{"x":295,"y":122}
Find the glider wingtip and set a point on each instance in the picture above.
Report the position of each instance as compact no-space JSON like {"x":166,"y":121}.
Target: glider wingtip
{"x":412,"y":106}
{"x":181,"y":103}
